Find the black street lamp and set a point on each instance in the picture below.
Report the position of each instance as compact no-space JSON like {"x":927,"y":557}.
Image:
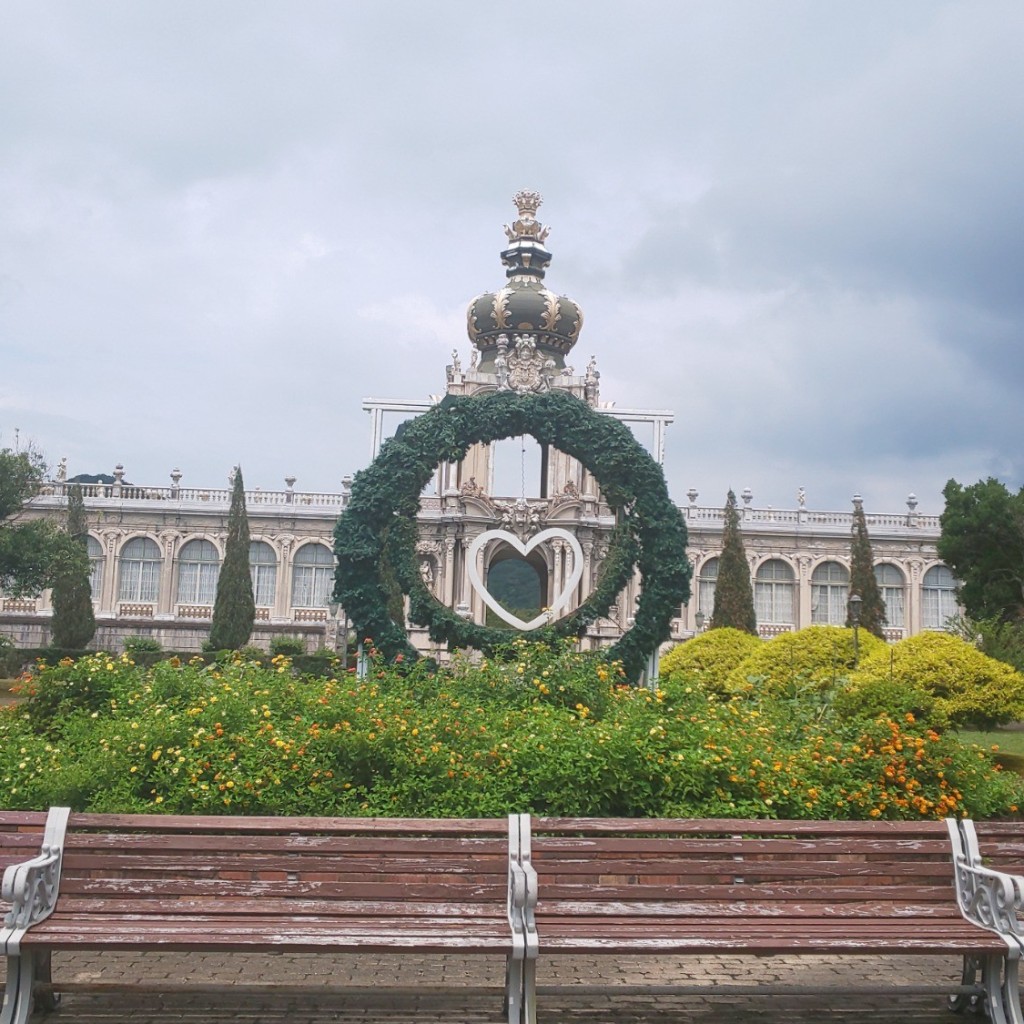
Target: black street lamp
{"x":855,"y":603}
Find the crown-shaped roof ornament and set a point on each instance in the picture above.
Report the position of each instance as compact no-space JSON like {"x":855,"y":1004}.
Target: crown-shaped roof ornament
{"x":527,"y":226}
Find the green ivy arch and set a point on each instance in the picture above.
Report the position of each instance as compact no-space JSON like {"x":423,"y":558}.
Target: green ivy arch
{"x":377,"y":532}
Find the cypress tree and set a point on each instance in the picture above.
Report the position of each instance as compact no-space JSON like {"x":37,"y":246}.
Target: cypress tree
{"x":862,"y":575}
{"x":234,"y":608}
{"x":73,"y":624}
{"x":734,"y":595}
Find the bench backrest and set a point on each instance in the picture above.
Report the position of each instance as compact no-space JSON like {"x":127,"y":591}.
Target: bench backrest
{"x":1002,"y":845}
{"x":21,"y":833}
{"x":775,"y":868}
{"x":170,"y":864}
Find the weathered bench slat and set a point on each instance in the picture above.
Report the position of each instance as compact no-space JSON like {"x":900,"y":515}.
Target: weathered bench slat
{"x":156,"y":824}
{"x":604,"y":827}
{"x":227,"y":906}
{"x":301,"y":888}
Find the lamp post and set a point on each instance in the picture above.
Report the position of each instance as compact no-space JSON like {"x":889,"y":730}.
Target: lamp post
{"x":854,"y":606}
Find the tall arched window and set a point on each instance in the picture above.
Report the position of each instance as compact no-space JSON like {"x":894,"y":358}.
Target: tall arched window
{"x":892,"y":584}
{"x":773,"y":593}
{"x":139,"y":571}
{"x":938,"y":597}
{"x":312,"y":576}
{"x":830,"y":589}
{"x":707,"y":580}
{"x":263,"y":569}
{"x":96,"y":561}
{"x":198,"y":569}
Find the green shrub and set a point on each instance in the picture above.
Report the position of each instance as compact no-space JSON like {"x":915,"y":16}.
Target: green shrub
{"x":870,"y":698}
{"x":815,"y":658}
{"x":970,"y":688}
{"x":709,"y":658}
{"x":289,"y":646}
{"x":141,"y":645}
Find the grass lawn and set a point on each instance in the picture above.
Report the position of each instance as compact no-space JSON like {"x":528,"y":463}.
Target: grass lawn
{"x":1009,"y":740}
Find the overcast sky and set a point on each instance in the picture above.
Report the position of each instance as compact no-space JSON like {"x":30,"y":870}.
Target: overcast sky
{"x":799,"y":225}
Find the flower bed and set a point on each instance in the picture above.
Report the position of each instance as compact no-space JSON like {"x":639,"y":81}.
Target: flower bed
{"x":548,"y":731}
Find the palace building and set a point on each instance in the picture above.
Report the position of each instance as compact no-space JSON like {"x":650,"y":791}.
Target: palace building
{"x":155,"y":550}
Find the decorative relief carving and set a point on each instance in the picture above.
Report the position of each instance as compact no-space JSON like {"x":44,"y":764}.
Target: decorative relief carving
{"x":521,"y":516}
{"x":524,"y":369}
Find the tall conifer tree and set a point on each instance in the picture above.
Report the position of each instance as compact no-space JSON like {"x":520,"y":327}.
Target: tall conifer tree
{"x":73,"y":624}
{"x":234,"y":608}
{"x":862,"y":575}
{"x":734,"y":595}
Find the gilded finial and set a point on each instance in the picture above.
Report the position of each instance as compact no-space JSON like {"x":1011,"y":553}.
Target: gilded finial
{"x":526,"y":225}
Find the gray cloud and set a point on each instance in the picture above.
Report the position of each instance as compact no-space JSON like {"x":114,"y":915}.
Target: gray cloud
{"x":798,"y":225}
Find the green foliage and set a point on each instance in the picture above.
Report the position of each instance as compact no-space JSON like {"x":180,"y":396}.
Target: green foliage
{"x":289,"y":646}
{"x":862,"y":577}
{"x":544,"y":730}
{"x":73,"y":623}
{"x":381,"y":519}
{"x":876,"y":696}
{"x":141,"y":645}
{"x":734,"y":594}
{"x":970,"y":688}
{"x":709,"y":659}
{"x":234,"y":607}
{"x":1001,"y":640}
{"x":815,"y":658}
{"x":982,"y":541}
{"x":35,"y":552}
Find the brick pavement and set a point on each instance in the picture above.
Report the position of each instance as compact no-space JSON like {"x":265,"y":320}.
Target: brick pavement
{"x":165,"y":988}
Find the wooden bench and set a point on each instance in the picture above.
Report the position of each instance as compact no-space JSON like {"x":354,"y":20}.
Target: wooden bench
{"x":155,"y":882}
{"x":691,"y":887}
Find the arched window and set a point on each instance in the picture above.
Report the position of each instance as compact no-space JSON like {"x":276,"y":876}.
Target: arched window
{"x":830,"y":589}
{"x":938,"y":597}
{"x":707,"y":580}
{"x":198,"y":569}
{"x":773,"y":593}
{"x":263,"y":569}
{"x":892,"y":585}
{"x":139,"y":570}
{"x":96,"y":560}
{"x":312,"y":576}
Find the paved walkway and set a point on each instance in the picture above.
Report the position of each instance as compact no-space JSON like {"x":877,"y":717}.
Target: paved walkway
{"x":165,"y":988}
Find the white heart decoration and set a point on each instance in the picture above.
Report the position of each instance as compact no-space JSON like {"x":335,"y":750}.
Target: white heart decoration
{"x":524,"y":549}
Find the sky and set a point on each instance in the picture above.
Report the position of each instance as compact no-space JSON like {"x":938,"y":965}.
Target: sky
{"x":798,"y":225}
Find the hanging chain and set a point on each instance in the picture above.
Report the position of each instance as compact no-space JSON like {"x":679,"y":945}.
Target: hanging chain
{"x":522,"y":466}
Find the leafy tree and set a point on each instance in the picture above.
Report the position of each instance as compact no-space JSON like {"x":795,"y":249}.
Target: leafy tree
{"x":862,"y":576}
{"x":234,"y":608}
{"x":33,"y":552}
{"x":73,"y":624}
{"x":982,"y":541}
{"x":734,"y":595}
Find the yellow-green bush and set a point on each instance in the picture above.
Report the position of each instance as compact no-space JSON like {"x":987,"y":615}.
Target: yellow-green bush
{"x":969,"y":687}
{"x":811,"y":658}
{"x":709,"y":658}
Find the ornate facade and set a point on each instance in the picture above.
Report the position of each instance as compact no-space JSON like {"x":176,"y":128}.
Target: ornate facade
{"x":155,"y":551}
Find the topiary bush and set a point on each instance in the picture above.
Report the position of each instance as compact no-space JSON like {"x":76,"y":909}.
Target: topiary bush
{"x":969,"y":688}
{"x":815,"y":658}
{"x":708,"y":659}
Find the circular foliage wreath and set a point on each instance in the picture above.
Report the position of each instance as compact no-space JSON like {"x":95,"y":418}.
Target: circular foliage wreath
{"x":376,"y":535}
